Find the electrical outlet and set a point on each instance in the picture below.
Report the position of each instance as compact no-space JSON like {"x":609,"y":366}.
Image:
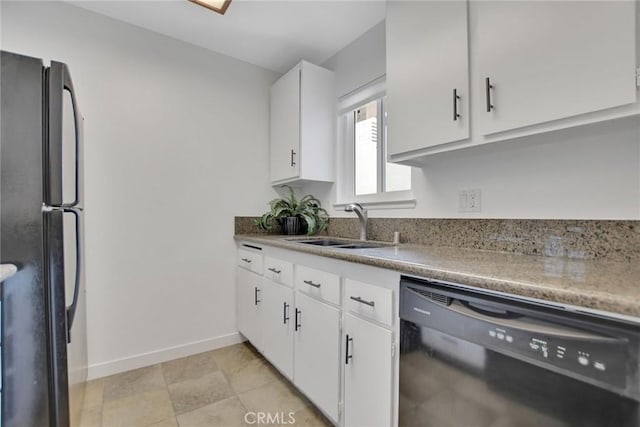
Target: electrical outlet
{"x":469,"y":200}
{"x":473,"y":200}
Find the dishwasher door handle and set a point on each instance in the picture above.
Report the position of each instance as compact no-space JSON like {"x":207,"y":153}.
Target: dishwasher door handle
{"x":527,"y":324}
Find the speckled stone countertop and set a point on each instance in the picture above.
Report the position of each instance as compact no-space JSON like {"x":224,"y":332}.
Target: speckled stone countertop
{"x":598,"y":285}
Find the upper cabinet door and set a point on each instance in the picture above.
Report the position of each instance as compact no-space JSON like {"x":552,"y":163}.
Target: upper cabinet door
{"x":285,"y":126}
{"x":540,"y":61}
{"x":303,"y":120}
{"x":427,"y":74}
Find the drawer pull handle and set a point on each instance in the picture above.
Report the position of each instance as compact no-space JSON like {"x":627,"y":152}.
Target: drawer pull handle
{"x":274,"y":270}
{"x":255,"y":296}
{"x":247,"y":260}
{"x":310,"y":283}
{"x":361,"y":301}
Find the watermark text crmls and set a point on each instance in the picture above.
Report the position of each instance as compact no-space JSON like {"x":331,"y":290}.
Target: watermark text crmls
{"x":269,"y":418}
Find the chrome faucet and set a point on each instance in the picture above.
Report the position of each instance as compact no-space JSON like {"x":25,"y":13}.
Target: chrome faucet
{"x":362,"y":215}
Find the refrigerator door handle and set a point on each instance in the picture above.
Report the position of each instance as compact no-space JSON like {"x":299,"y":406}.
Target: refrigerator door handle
{"x":71,"y":310}
{"x":59,"y":80}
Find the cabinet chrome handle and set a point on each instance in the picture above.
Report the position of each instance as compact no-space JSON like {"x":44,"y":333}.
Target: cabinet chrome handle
{"x":361,"y":301}
{"x":297,"y":318}
{"x":488,"y":88}
{"x":274,"y":270}
{"x":285,"y":312}
{"x":310,"y":283}
{"x":347,"y":356}
{"x":255,"y":296}
{"x":456,"y":98}
{"x":293,"y":153}
{"x":247,"y":260}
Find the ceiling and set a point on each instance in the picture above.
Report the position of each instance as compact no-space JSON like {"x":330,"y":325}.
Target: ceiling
{"x":272,"y":34}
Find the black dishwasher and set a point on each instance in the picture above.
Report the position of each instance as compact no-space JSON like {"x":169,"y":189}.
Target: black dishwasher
{"x":473,"y":359}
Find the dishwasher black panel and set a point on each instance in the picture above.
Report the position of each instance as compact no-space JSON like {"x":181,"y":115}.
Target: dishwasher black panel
{"x":473,"y":359}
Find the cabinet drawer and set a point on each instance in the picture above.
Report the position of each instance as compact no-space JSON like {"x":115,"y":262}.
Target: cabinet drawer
{"x":279,"y":271}
{"x":369,"y":301}
{"x":250,"y":260}
{"x":319,"y":284}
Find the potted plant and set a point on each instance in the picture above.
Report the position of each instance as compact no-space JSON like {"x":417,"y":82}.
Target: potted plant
{"x":295,"y":216}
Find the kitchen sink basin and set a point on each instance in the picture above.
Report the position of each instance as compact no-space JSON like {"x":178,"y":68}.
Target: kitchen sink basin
{"x":358,"y":246}
{"x":338,"y":244}
{"x":321,"y":242}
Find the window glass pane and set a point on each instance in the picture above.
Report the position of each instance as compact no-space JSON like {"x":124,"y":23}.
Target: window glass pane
{"x":398,"y":177}
{"x":366,"y":148}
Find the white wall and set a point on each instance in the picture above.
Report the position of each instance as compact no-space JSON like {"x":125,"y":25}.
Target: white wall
{"x":176,"y":139}
{"x":362,"y":61}
{"x":591,"y":172}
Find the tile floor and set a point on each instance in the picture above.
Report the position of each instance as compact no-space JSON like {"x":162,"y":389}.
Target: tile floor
{"x":215,"y":388}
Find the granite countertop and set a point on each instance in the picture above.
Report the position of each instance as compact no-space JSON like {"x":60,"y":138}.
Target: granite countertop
{"x":598,"y":285}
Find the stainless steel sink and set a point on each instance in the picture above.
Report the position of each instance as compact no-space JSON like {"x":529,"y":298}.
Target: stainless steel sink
{"x":359,"y":246}
{"x":337,"y":244}
{"x":321,"y":242}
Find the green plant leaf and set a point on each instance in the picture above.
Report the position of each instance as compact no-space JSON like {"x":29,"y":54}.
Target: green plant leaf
{"x":308,"y":208}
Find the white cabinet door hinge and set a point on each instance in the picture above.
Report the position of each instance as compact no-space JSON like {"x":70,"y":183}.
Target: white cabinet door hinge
{"x":340,"y":326}
{"x":393,"y":350}
{"x":638,"y":77}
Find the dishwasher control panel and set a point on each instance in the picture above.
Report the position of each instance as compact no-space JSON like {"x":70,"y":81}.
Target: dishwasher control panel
{"x":603,"y":359}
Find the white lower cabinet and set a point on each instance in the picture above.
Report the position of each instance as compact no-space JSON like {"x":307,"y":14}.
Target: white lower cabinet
{"x":332,"y":336}
{"x":277,"y":326}
{"x":317,"y":352}
{"x":368,"y":374}
{"x":249,"y":304}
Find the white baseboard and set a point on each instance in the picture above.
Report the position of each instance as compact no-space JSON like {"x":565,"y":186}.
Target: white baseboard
{"x":104,"y":369}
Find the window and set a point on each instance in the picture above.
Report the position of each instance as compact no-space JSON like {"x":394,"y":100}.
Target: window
{"x":364,"y":175}
{"x":372,"y":173}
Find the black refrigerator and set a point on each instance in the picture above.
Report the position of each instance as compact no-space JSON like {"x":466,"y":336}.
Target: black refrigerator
{"x":44,"y":342}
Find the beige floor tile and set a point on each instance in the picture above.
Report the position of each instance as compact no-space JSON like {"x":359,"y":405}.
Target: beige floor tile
{"x":235,"y":357}
{"x":133,"y":382}
{"x":138,"y":410}
{"x":193,"y":394}
{"x":310,"y":417}
{"x":91,"y":416}
{"x":189,"y":368}
{"x":253,"y":374}
{"x":273,"y":397}
{"x":228,"y":413}
{"x":93,"y":393}
{"x":169,"y":422}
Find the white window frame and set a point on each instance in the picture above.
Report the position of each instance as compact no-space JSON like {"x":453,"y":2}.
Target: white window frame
{"x":345,"y":193}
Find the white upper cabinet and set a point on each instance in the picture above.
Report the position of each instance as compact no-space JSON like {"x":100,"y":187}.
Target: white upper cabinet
{"x":427,"y":74}
{"x":303,"y":120}
{"x":518,"y":68}
{"x":548,"y":60}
